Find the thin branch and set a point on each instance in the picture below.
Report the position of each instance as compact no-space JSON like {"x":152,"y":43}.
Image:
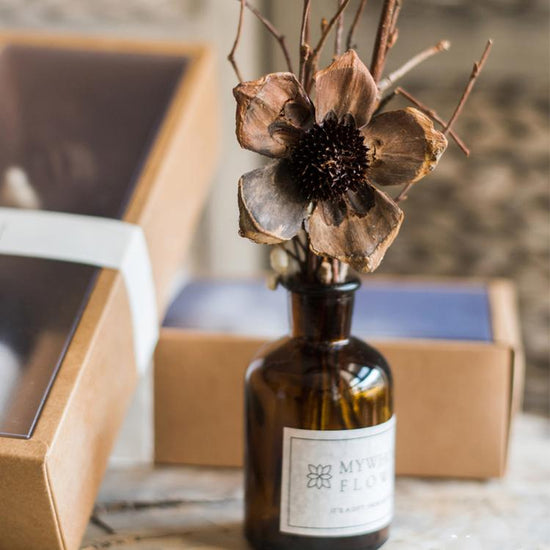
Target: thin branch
{"x":313,"y":262}
{"x":478,"y":66}
{"x":394,"y":32}
{"x":231,"y":56}
{"x":304,"y":39}
{"x":343,"y":5}
{"x":298,"y":240}
{"x":339,"y":32}
{"x":403,"y":194}
{"x":392,"y":78}
{"x":353,"y":26}
{"x":384,"y":101}
{"x":433,"y":115}
{"x":296,"y":250}
{"x":96,"y":520}
{"x":382,"y":39}
{"x":293,"y":255}
{"x":273,"y":30}
{"x":326,"y":27}
{"x":307,"y":21}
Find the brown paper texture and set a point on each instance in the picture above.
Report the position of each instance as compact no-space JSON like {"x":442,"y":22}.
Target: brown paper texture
{"x":452,"y":398}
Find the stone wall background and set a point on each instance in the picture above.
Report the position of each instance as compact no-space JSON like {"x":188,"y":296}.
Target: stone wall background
{"x":483,"y":216}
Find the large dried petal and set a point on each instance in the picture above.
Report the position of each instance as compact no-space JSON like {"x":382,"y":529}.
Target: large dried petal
{"x":360,"y":240}
{"x":270,"y":209}
{"x":333,"y":211}
{"x":265,"y":106}
{"x":346,"y":87}
{"x":403,"y":146}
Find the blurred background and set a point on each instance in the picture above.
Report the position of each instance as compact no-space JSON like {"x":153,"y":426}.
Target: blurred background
{"x":487,"y":215}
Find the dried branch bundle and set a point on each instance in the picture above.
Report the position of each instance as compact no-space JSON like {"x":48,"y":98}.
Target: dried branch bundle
{"x":325,"y":210}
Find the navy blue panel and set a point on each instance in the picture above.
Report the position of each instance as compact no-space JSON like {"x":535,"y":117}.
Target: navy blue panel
{"x":383,"y":309}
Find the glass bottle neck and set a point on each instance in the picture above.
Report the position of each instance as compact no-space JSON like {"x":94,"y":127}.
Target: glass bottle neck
{"x":323,"y":315}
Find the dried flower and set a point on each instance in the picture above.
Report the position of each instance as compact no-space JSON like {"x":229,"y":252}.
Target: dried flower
{"x":328,"y":159}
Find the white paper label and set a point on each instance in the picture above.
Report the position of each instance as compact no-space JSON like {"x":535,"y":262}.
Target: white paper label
{"x":338,"y":482}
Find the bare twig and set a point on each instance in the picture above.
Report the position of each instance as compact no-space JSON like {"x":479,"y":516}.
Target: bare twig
{"x":478,"y":66}
{"x":311,"y":65}
{"x":293,"y":256}
{"x":433,"y":115}
{"x":313,"y":262}
{"x":394,"y":32}
{"x":385,"y":27}
{"x":307,"y":13}
{"x":96,"y":520}
{"x":384,"y":101}
{"x":339,"y":32}
{"x":353,"y":26}
{"x":298,"y":240}
{"x":296,"y":250}
{"x":305,"y":50}
{"x":311,"y":265}
{"x":231,"y":56}
{"x":343,"y":5}
{"x":403,"y":194}
{"x":273,"y":30}
{"x":393,"y":27}
{"x":392,"y":78}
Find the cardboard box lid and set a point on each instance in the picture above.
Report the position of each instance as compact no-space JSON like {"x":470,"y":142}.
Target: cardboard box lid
{"x":104,"y":127}
{"x":81,"y":123}
{"x":466,"y":350}
{"x":386,"y":308}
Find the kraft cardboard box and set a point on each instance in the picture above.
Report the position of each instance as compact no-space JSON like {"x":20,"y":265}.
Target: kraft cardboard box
{"x":453,"y":347}
{"x":99,"y":127}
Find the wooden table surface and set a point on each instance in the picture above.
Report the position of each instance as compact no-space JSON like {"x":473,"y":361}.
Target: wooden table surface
{"x":146,"y":508}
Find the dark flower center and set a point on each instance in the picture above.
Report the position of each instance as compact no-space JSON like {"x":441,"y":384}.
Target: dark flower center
{"x":329,"y":159}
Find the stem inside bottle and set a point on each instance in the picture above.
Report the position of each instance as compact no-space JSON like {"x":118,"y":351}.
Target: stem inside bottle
{"x":322,"y":313}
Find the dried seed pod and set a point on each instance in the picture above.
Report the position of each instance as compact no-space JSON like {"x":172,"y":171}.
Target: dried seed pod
{"x":344,"y":270}
{"x":279,"y":260}
{"x":273,"y":280}
{"x":325,"y":272}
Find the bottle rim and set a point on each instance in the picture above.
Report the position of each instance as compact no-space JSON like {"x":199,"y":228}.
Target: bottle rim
{"x":300,"y":287}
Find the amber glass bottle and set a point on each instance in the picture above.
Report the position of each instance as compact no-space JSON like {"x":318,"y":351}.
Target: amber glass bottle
{"x":319,"y":458}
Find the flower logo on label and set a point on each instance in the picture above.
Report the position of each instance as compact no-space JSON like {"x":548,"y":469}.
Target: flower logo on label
{"x":319,"y":476}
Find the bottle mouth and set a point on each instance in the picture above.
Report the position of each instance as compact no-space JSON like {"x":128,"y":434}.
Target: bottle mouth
{"x":300,"y":287}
